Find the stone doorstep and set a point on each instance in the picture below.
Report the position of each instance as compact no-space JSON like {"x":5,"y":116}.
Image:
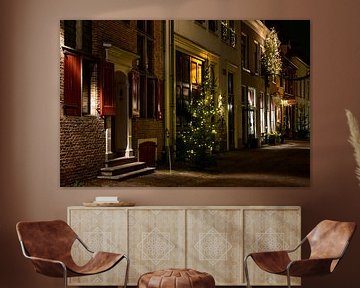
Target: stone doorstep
{"x":119,"y":161}
{"x":135,"y":173}
{"x":121,"y":169}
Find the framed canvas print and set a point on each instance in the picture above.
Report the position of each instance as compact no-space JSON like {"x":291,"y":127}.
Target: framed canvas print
{"x":185,"y":103}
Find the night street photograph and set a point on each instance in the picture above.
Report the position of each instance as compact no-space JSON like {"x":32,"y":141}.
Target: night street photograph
{"x":185,"y":103}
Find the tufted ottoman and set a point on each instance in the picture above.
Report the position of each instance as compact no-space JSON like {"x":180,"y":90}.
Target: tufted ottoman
{"x":176,"y":278}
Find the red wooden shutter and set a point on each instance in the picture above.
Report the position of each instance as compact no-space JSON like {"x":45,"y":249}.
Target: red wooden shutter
{"x":159,"y":99}
{"x":72,"y":85}
{"x":134,"y":80}
{"x":107,"y":89}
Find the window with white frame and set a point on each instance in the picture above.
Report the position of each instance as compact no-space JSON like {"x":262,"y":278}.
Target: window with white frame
{"x":262,"y":113}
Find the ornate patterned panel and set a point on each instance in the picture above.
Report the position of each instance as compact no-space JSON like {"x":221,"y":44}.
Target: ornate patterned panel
{"x":270,"y":229}
{"x":156,"y":240}
{"x":214,"y":242}
{"x":101,"y":230}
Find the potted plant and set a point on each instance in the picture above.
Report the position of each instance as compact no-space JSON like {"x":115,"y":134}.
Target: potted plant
{"x":274,"y":137}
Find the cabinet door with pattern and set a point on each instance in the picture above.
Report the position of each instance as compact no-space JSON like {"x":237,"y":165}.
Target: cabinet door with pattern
{"x":101,"y":230}
{"x":270,"y":230}
{"x":156,"y":240}
{"x":214,"y":241}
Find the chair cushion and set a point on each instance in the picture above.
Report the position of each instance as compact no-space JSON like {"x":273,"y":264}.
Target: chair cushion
{"x":176,"y":278}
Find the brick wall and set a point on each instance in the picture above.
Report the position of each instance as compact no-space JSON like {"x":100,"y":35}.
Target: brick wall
{"x":82,"y":148}
{"x":148,"y":128}
{"x":121,"y":34}
{"x":158,"y":51}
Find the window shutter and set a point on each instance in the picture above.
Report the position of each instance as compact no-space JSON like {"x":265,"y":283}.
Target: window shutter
{"x":159,"y":98}
{"x":107,"y":89}
{"x":134,"y":80}
{"x":72,"y":85}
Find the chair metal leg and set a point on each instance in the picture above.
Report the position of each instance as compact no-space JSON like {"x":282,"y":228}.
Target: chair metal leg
{"x":288,"y":278}
{"x":246,"y":272}
{"x":65,"y":275}
{"x":127,"y":271}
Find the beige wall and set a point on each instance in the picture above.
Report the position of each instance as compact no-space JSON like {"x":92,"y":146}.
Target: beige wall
{"x":29,"y":111}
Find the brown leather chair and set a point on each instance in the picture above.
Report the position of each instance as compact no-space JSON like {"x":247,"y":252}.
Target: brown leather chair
{"x":48,"y":245}
{"x":328,"y":242}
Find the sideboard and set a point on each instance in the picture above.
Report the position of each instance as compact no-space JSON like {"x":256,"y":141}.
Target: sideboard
{"x":211,"y":239}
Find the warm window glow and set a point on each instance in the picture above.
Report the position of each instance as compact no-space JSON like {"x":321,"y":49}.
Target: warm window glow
{"x":199,"y":76}
{"x":196,"y":66}
{"x":193,"y":73}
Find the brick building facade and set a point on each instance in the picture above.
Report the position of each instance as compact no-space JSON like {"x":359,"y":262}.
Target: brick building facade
{"x":111,"y":78}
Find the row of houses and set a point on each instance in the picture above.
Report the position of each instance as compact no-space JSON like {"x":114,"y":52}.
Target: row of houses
{"x":124,"y":85}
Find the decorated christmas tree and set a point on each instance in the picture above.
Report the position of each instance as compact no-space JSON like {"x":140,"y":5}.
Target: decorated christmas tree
{"x":201,"y":137}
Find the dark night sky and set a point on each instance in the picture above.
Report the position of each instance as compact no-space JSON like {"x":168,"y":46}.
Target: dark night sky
{"x":295,"y":31}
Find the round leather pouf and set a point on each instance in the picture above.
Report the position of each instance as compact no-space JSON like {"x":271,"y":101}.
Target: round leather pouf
{"x":176,"y":278}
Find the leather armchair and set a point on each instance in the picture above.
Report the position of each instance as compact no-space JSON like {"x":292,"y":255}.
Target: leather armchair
{"x":48,"y":245}
{"x":328,"y":242}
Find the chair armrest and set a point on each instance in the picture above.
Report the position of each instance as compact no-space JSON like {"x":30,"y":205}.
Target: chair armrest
{"x":84,"y":245}
{"x":48,"y":267}
{"x":309,"y":267}
{"x":298,"y":246}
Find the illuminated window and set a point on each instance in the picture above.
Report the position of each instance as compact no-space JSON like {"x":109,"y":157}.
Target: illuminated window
{"x":188,"y":78}
{"x":193,"y":73}
{"x":262,"y":114}
{"x":196,"y":71}
{"x":231,"y":111}
{"x":199,"y":73}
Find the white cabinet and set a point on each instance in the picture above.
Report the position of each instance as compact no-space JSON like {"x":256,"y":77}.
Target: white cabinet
{"x":210,"y":239}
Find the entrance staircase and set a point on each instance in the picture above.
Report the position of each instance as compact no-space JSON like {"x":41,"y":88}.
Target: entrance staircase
{"x":124,"y":168}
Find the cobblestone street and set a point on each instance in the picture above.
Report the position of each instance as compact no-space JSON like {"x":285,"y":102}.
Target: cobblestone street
{"x":285,"y":165}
